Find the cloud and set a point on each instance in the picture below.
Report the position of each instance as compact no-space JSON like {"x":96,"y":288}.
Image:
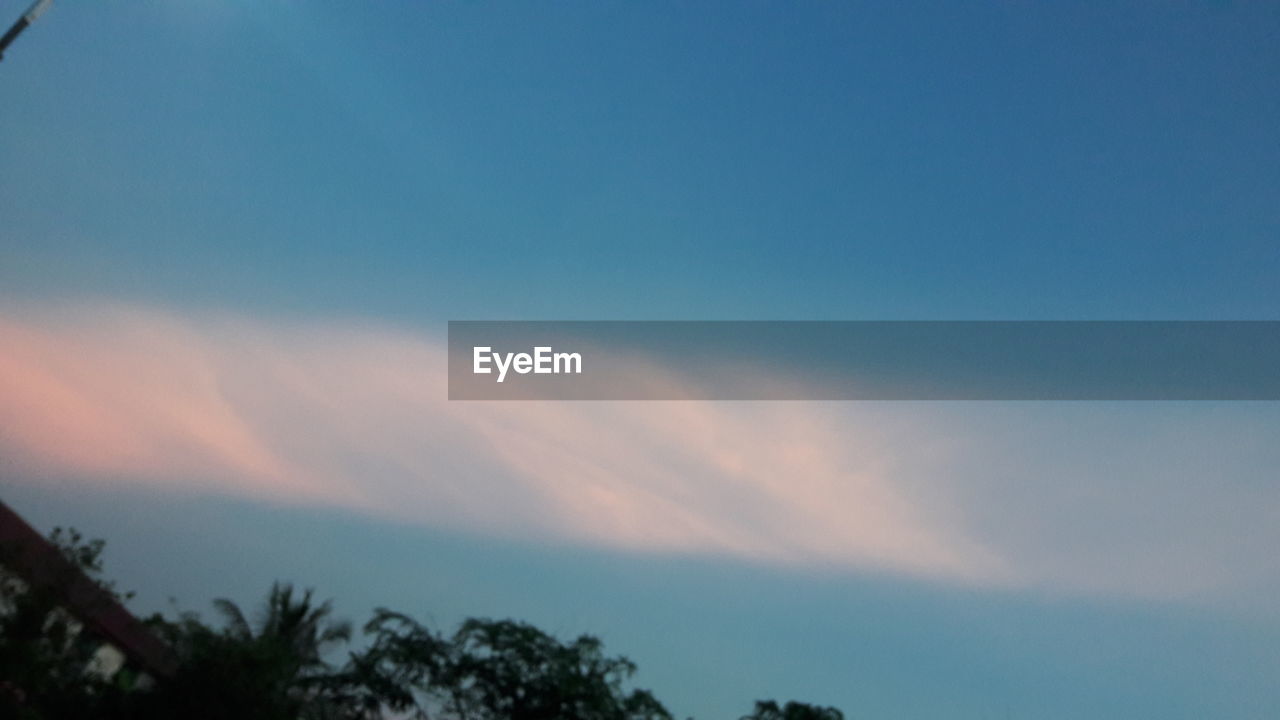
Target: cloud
{"x":354,"y":415}
{"x":1164,"y":500}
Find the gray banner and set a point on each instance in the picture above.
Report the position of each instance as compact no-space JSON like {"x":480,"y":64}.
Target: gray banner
{"x":891,"y":360}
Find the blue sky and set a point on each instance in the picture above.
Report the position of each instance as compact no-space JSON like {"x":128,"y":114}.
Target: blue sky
{"x":723,"y":161}
{"x":230,"y":235}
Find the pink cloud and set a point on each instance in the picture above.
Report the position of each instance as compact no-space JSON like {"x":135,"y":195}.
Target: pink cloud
{"x":355,"y":415}
{"x":124,"y":398}
{"x":1153,"y":500}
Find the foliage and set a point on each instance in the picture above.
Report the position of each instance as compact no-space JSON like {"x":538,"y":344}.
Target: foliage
{"x":279,"y":667}
{"x":44,"y":655}
{"x":769,"y":710}
{"x":274,"y":671}
{"x":500,"y":669}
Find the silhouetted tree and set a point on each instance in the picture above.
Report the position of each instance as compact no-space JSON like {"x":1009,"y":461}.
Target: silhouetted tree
{"x":45,"y":658}
{"x":276,"y":668}
{"x":500,"y":670}
{"x":769,"y":710}
{"x":275,"y":671}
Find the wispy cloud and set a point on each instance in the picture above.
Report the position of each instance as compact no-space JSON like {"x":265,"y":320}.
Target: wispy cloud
{"x":354,"y":415}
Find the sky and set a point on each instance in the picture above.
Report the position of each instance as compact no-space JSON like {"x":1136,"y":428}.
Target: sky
{"x":231,"y":235}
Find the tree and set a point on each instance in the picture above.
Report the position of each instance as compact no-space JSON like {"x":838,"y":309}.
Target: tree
{"x":277,"y":668}
{"x":45,"y":657}
{"x":499,"y":670}
{"x":769,"y":710}
{"x":275,"y":671}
